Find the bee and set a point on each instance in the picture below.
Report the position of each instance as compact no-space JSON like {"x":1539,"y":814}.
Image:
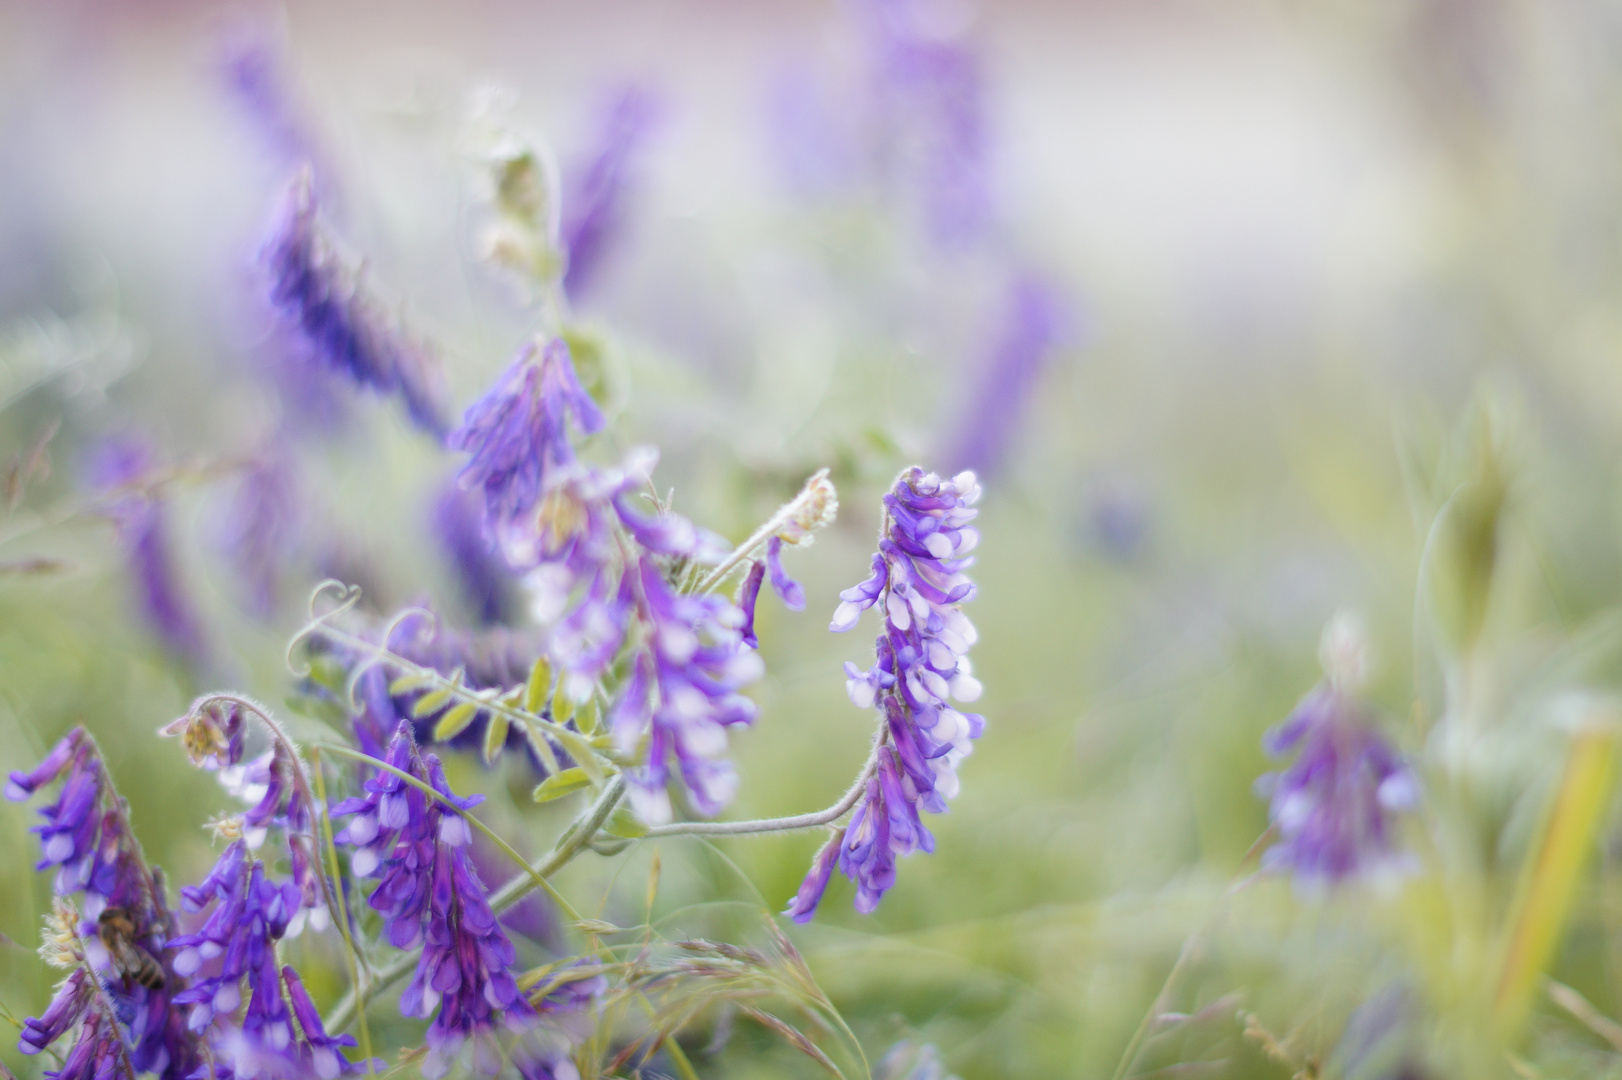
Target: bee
{"x":117,"y":929}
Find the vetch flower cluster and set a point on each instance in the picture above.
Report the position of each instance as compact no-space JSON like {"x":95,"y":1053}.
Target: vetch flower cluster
{"x":918,"y":581}
{"x":239,"y":995}
{"x":430,"y":895}
{"x":1334,"y":807}
{"x":517,"y":433}
{"x":126,"y":923}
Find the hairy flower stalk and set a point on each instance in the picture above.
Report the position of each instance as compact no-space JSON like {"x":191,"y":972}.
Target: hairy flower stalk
{"x":323,"y":301}
{"x":918,"y":582}
{"x":429,"y":894}
{"x":1333,"y":807}
{"x":126,"y":924}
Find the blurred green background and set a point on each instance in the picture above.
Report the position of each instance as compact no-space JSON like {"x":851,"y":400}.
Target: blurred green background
{"x":1323,"y":264}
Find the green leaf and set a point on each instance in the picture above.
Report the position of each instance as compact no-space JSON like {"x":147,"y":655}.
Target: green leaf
{"x":455,"y":721}
{"x":586,"y":718}
{"x":495,"y":738}
{"x":407,"y":683}
{"x":560,"y":784}
{"x":597,"y":927}
{"x":581,"y":751}
{"x":562,"y":705}
{"x":430,"y":703}
{"x":540,"y":681}
{"x":623,"y":822}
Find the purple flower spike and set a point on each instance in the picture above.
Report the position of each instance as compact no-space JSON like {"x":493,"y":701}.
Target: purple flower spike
{"x":698,"y":666}
{"x":429,"y":892}
{"x":98,"y":1053}
{"x":1334,"y":807}
{"x":918,"y":582}
{"x":87,"y":837}
{"x":337,"y":320}
{"x":517,"y":433}
{"x":595,"y":192}
{"x":1032,"y":326}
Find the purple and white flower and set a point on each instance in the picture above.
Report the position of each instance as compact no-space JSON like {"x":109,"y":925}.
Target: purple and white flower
{"x":918,"y":582}
{"x":1335,"y":806}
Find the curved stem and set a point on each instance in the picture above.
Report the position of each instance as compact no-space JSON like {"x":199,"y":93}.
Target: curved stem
{"x":569,"y":845}
{"x":782,"y":824}
{"x":535,"y":726}
{"x":785,"y":514}
{"x":343,"y":905}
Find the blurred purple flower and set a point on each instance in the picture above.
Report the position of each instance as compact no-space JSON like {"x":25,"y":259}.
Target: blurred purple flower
{"x":595,"y":191}
{"x":918,"y":581}
{"x":929,"y":101}
{"x":119,"y":467}
{"x":811,"y":140}
{"x":342,"y":325}
{"x":253,"y":70}
{"x":1004,"y":379}
{"x":1333,"y":807}
{"x":259,"y":529}
{"x":484,"y":579}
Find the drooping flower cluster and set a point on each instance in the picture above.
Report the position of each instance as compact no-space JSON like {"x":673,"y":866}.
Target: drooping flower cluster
{"x":1334,"y":807}
{"x":119,"y":467}
{"x":918,"y":581}
{"x":683,"y":692}
{"x":238,"y":995}
{"x":429,"y":894}
{"x":599,"y":566}
{"x":338,"y":322}
{"x":127,"y":924}
{"x":517,"y":434}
